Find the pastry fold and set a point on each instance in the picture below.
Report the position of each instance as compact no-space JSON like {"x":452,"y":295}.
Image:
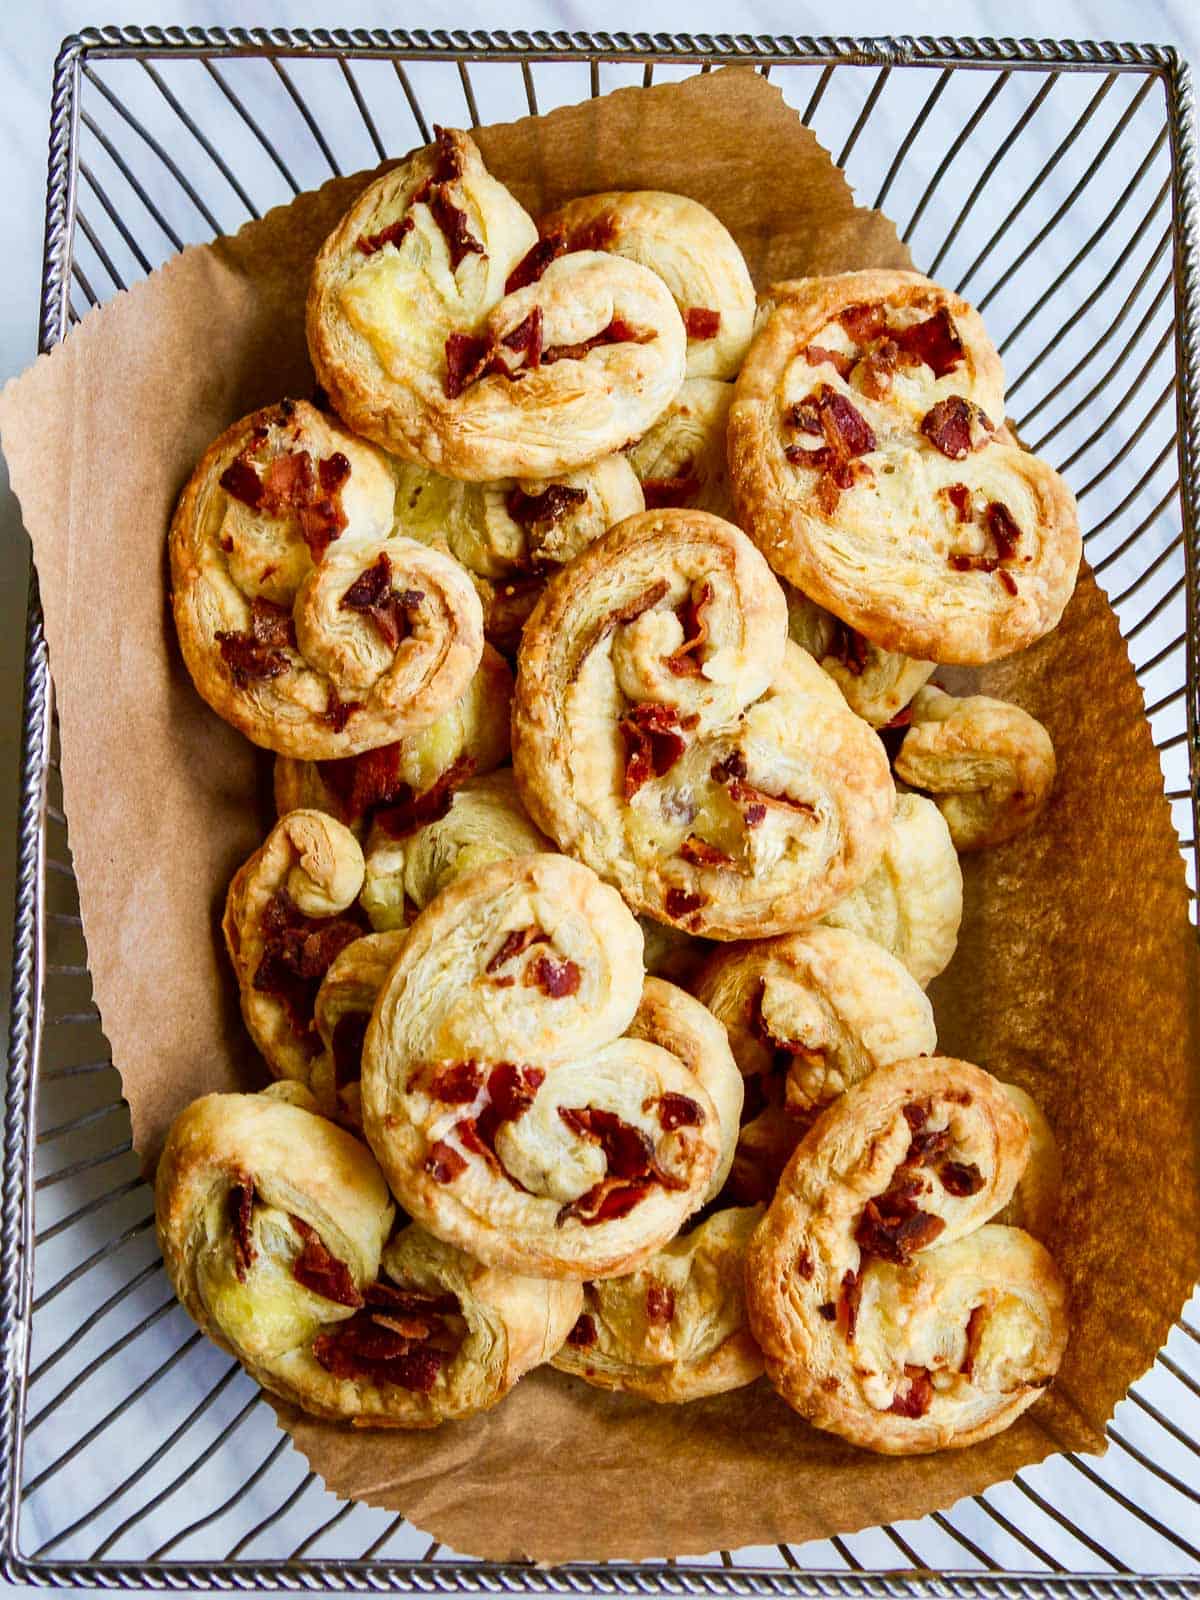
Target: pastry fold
{"x":877,"y":684}
{"x":889,"y":1308}
{"x":681,"y":459}
{"x":667,"y":734}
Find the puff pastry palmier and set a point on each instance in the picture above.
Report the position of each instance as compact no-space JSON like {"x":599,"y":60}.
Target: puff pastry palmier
{"x":988,"y":765}
{"x":889,"y":1310}
{"x":509,"y":1113}
{"x":341,"y":1011}
{"x":681,"y":460}
{"x":301,"y":620}
{"x":807,"y":1015}
{"x":291,"y":909}
{"x":674,"y":1330}
{"x":440,"y":331}
{"x":414,"y":775}
{"x":877,"y":684}
{"x":691,"y":251}
{"x":912,"y":902}
{"x":868,"y":467}
{"x":667,"y":733}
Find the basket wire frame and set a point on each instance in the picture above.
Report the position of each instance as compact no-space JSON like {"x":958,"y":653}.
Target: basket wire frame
{"x":132,"y":1451}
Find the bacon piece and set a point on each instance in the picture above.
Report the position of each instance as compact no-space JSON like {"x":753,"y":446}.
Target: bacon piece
{"x":431,"y":805}
{"x":449,"y":161}
{"x":685,"y":663}
{"x":960,"y":1178}
{"x":864,"y":321}
{"x":936,"y":342}
{"x":893,"y":1228}
{"x":597,"y":234}
{"x":467,"y":356}
{"x":956,"y":426}
{"x":556,"y":979}
{"x":370,"y":243}
{"x":660,"y":1303}
{"x":654,"y":742}
{"x":1003,"y":529}
{"x":346,"y":1045}
{"x":1007,"y":580}
{"x":731,"y":766}
{"x":847,"y":1307}
{"x":916,"y":1115}
{"x":366,"y":1349}
{"x":372,"y":594}
{"x":318,"y":1269}
{"x":627,"y":1150}
{"x":847,"y":431}
{"x":753,"y":802}
{"x":297,"y":953}
{"x":878,"y":370}
{"x":456,"y":229}
{"x":804,"y":415}
{"x":849,"y":647}
{"x":679,"y":1111}
{"x":701,"y":323}
{"x":360,"y":783}
{"x":915,"y":1398}
{"x":606,"y":1201}
{"x":677,"y":491}
{"x":457,"y":1084}
{"x":927,"y":1147}
{"x":258,"y":652}
{"x":817,"y":356}
{"x":966,"y":563}
{"x":545,"y":510}
{"x":644,"y":602}
{"x":408,"y":1301}
{"x":516,"y":941}
{"x":292,"y":483}
{"x":828,"y":1310}
{"x":583,"y":1335}
{"x":241,"y":481}
{"x":679,"y":903}
{"x":959,"y":497}
{"x":700,"y":853}
{"x":534,"y":262}
{"x":526,"y":338}
{"x":443,"y":1163}
{"x":510,"y":1093}
{"x":975,"y":1326}
{"x":241,"y":1216}
{"x":618,"y":331}
{"x":337,"y":712}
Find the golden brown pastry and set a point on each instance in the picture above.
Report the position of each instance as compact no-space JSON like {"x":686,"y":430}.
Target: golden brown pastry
{"x":290,"y":910}
{"x":867,"y":466}
{"x":341,"y":1012}
{"x":889,"y":1310}
{"x":1034,"y":1203}
{"x":510,"y":1115}
{"x":807,"y":1015}
{"x":667,"y":733}
{"x":989,"y":765}
{"x":680,"y":461}
{"x":417,"y":774}
{"x":302,"y":620}
{"x":443,"y":331}
{"x":692,"y":252}
{"x":878,"y":684}
{"x":912,"y":903}
{"x":272,"y":1221}
{"x":674,"y":1330}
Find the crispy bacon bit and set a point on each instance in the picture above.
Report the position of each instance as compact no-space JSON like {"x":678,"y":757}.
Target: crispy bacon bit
{"x":318,"y":1269}
{"x":804,"y":1266}
{"x":916,"y":1115}
{"x":848,"y":1300}
{"x":892,"y":1226}
{"x":510,"y":1093}
{"x":443,"y":1163}
{"x":452,"y":220}
{"x":959,"y":497}
{"x":241,"y":1215}
{"x":258,"y":653}
{"x":372,"y":594}
{"x":956,"y":426}
{"x":654,"y":742}
{"x":878,"y":370}
{"x":516,"y":941}
{"x":848,"y":435}
{"x":526,"y":338}
{"x":1003,"y":529}
{"x":545,"y":510}
{"x":534,"y":262}
{"x":965,"y":563}
{"x":849,"y":647}
{"x":660,"y":1303}
{"x":685,"y":663}
{"x":975,"y":1325}
{"x":630,"y":612}
{"x":960,"y":1178}
{"x":347,"y":1047}
{"x":366,"y":1348}
{"x":449,"y":163}
{"x":679,"y":1111}
{"x":290,"y":483}
{"x":678,"y":491}
{"x":360,"y":783}
{"x":805,"y":416}
{"x":556,"y":979}
{"x":241,"y":481}
{"x":732,"y":766}
{"x":828,"y":1310}
{"x":627,"y":1150}
{"x":701,"y":323}
{"x":936,"y":342}
{"x":597,"y":234}
{"x":457,"y":1084}
{"x":679,"y":903}
{"x":618,"y":331}
{"x":915,"y":1398}
{"x":297,"y":953}
{"x":1007,"y":579}
{"x":369,"y":243}
{"x":606,"y":1201}
{"x":864,"y":322}
{"x":410,"y":1302}
{"x":847,"y":431}
{"x":583,"y":1334}
{"x":337,"y":712}
{"x":817,"y":356}
{"x":700,"y":853}
{"x":431,"y":805}
{"x":753,"y":803}
{"x":466,"y":357}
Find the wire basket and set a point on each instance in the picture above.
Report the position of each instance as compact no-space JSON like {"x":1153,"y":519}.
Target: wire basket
{"x":1054,"y":184}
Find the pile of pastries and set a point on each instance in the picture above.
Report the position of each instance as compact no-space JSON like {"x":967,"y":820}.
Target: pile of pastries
{"x":592,"y":610}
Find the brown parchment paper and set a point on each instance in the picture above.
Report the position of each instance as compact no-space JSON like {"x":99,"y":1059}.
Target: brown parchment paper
{"x":1076,"y":973}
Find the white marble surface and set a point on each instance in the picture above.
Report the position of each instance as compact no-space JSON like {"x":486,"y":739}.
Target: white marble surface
{"x":29,"y":38}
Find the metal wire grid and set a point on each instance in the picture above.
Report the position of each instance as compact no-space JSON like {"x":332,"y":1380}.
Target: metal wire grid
{"x":132,"y":1451}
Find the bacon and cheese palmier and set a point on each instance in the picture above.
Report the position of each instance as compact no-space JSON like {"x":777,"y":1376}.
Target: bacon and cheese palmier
{"x":691,"y":251}
{"x":681,"y":460}
{"x":502,"y":1093}
{"x":877,"y":684}
{"x":870,"y":465}
{"x":441,"y":332}
{"x":302,"y":620}
{"x":667,"y":733}
{"x":890,"y":1309}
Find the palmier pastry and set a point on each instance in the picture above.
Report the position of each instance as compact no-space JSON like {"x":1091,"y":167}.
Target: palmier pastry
{"x":290,"y":910}
{"x":271,"y":1221}
{"x":509,"y":1113}
{"x":681,"y":461}
{"x":509,"y":535}
{"x":693,"y":253}
{"x":415,"y":774}
{"x":674,"y":1330}
{"x":868,"y":467}
{"x":878,"y":684}
{"x":912,"y":903}
{"x":807,"y":1015}
{"x":301,"y":620}
{"x":988,"y":765}
{"x":1034,"y":1203}
{"x":442,"y":331}
{"x":341,"y":1011}
{"x":887,"y":1307}
{"x":667,"y":733}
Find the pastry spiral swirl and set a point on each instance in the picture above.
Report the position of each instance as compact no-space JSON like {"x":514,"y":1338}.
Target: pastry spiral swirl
{"x":988,"y":765}
{"x":667,"y":734}
{"x":868,"y":466}
{"x":509,"y":1113}
{"x":302,"y":621}
{"x":807,"y":1015}
{"x":442,"y":332}
{"x":674,"y":1330}
{"x":877,"y":684}
{"x":681,"y":460}
{"x":888,"y":1308}
{"x":272,"y":1223}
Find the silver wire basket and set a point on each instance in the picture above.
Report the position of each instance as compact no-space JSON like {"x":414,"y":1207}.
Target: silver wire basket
{"x":1054,"y":184}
